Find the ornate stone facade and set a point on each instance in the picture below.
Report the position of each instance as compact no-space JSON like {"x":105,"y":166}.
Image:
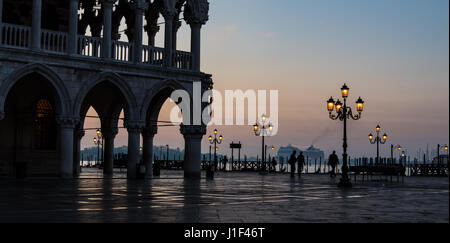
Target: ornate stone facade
{"x":71,"y":72}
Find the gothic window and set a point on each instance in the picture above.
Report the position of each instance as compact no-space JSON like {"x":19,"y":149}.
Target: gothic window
{"x":44,"y":125}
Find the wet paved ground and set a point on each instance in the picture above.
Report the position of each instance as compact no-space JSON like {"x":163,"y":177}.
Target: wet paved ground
{"x":229,"y":198}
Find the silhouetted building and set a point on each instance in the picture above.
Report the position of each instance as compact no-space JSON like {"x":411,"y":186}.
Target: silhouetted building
{"x":53,"y":70}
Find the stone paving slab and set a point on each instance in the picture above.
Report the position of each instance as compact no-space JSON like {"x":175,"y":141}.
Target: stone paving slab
{"x":229,"y":198}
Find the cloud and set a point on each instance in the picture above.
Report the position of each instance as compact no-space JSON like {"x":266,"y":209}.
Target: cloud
{"x":224,"y":33}
{"x":268,"y":34}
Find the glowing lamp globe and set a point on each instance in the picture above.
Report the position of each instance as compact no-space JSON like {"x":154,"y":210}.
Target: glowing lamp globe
{"x":338,"y":105}
{"x":345,"y":90}
{"x":330,"y":104}
{"x":359,"y":105}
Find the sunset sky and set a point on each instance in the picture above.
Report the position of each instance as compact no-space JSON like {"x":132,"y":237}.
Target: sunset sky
{"x":392,"y":53}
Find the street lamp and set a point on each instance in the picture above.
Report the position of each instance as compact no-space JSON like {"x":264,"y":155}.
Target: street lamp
{"x":99,"y":141}
{"x":377,"y":140}
{"x":343,"y":112}
{"x":262,"y":130}
{"x":445,"y":147}
{"x":215,"y":141}
{"x":272,"y":148}
{"x":399,"y":148}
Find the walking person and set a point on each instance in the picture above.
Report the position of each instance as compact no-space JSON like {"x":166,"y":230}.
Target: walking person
{"x":291,"y":161}
{"x":333,"y":161}
{"x":301,"y":163}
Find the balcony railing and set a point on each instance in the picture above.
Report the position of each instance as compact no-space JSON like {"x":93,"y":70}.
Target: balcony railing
{"x":153,"y":55}
{"x":122,"y":51}
{"x":18,"y":36}
{"x":182,"y":60}
{"x":89,"y":46}
{"x":53,"y":41}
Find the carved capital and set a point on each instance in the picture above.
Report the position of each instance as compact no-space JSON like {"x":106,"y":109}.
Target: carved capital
{"x":207,"y":83}
{"x":108,"y":3}
{"x":169,"y":13}
{"x":169,"y":10}
{"x":67,"y":122}
{"x":139,"y":6}
{"x":152,"y":29}
{"x":196,"y":12}
{"x":134,"y":126}
{"x":193,"y":131}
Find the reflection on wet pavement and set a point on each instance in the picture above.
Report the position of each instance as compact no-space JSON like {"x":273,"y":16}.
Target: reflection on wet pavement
{"x":230,"y":198}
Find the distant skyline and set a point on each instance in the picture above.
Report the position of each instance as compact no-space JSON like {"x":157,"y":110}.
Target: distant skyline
{"x":392,"y":53}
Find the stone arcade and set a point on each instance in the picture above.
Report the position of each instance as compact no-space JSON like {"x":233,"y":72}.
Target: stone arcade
{"x":51,"y":72}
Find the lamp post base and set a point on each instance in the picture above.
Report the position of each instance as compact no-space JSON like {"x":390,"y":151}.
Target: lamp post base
{"x":344,"y":183}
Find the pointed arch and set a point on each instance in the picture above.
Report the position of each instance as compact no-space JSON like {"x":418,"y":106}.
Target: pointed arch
{"x":63,"y":98}
{"x":156,"y":90}
{"x":117,"y":81}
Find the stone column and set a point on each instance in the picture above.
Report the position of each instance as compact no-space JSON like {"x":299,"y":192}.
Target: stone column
{"x":1,"y":22}
{"x":36,"y":25}
{"x":73,"y":27}
{"x":66,"y":126}
{"x":196,"y":15}
{"x":193,"y":149}
{"x":79,"y":134}
{"x":148,"y":134}
{"x":109,"y":134}
{"x":107,"y":6}
{"x":195,"y":46}
{"x":134,"y":133}
{"x":169,"y":15}
{"x":139,"y":8}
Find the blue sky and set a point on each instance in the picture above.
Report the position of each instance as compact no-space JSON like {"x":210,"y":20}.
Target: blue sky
{"x":393,"y":53}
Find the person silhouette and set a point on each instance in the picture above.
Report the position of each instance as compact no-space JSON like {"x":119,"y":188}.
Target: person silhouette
{"x":301,"y":163}
{"x":333,"y":161}
{"x":291,"y":161}
{"x":225,"y":161}
{"x":274,"y":164}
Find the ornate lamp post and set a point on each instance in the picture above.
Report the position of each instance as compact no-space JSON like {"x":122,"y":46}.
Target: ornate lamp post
{"x":262,"y":130}
{"x":215,"y":141}
{"x":99,"y":141}
{"x":377,"y":141}
{"x":446,"y":149}
{"x":343,"y":112}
